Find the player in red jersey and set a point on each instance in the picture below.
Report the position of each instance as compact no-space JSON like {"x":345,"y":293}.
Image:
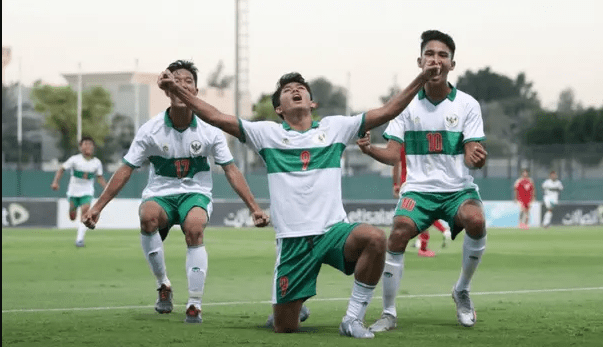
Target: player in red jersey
{"x":525,"y":193}
{"x":399,"y":178}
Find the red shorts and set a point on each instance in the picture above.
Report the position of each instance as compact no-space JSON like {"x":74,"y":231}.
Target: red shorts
{"x":525,"y":204}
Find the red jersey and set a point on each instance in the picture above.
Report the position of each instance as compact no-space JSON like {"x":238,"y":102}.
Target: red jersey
{"x":524,"y":187}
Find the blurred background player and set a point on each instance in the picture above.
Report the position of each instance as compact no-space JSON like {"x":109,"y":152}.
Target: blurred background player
{"x":399,"y":178}
{"x":525,"y":192}
{"x":551,"y":187}
{"x":179,"y":190}
{"x":441,"y":129}
{"x":84,"y":168}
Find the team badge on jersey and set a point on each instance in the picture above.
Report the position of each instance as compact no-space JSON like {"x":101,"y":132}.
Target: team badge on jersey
{"x":196,"y":147}
{"x":452,"y":121}
{"x":320,"y":138}
{"x":286,"y":141}
{"x":165,"y":148}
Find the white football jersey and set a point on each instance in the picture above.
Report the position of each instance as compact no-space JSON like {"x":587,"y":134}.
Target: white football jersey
{"x":434,"y":135}
{"x":83,"y":172}
{"x":304,"y":171}
{"x":551,"y":189}
{"x":179,"y":160}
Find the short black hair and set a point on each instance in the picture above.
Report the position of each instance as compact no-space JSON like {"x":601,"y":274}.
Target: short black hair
{"x":283,"y":81}
{"x":184,"y":64}
{"x":437,"y":35}
{"x":87,"y":138}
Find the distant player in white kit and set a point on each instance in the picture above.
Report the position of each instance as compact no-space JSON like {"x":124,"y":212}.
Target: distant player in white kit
{"x":178,"y":146}
{"x":552,"y":187}
{"x":303,"y":162}
{"x":84,"y":168}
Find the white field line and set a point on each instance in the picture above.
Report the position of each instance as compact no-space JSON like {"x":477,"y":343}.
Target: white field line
{"x":527,"y":291}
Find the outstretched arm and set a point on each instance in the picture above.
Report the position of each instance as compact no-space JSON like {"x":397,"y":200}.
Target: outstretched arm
{"x":239,"y":184}
{"x":398,"y":103}
{"x":205,"y":111}
{"x":116,"y":183}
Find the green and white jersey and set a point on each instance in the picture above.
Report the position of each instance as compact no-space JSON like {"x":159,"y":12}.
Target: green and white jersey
{"x":304,"y":171}
{"x":552,"y":189}
{"x":83,"y":172}
{"x":178,"y":159}
{"x":434,"y":135}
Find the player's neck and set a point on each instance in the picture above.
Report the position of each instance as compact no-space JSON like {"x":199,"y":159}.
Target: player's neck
{"x":437,"y":91}
{"x":181,"y":117}
{"x":301,"y":121}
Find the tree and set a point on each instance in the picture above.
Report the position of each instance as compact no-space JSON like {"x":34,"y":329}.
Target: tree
{"x":59,"y":104}
{"x":118,"y":140}
{"x":10,"y":145}
{"x":331,"y":99}
{"x":216,"y":79}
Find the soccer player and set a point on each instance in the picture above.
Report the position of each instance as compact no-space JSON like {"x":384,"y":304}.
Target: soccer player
{"x":441,"y":130}
{"x":179,"y":191}
{"x":525,"y":192}
{"x":552,"y":187}
{"x":399,"y":178}
{"x":303,"y":161}
{"x":84,"y":169}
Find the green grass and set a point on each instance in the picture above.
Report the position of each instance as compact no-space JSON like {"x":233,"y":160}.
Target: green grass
{"x":533,"y":288}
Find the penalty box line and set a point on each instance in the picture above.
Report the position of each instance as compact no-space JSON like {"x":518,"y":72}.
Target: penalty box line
{"x":506,"y":292}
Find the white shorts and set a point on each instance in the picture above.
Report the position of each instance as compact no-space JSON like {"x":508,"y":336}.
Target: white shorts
{"x":550,"y":203}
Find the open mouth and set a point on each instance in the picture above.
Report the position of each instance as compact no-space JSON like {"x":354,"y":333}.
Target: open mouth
{"x":297,"y":97}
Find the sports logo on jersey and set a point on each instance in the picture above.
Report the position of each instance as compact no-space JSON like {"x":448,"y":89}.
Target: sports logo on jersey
{"x":165,"y":148}
{"x":196,"y":147}
{"x":320,"y":138}
{"x":417,"y":120}
{"x":452,"y":121}
{"x":286,"y":141}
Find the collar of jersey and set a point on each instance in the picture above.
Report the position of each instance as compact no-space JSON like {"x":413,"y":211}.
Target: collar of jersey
{"x":168,"y":121}
{"x":287,"y":127}
{"x":422,"y":95}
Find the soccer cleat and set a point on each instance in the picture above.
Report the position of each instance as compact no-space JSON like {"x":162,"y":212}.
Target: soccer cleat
{"x":447,"y":238}
{"x":304,"y":313}
{"x":426,"y":253}
{"x":465,"y":313}
{"x":80,"y":243}
{"x":385,"y":323}
{"x":354,"y":328}
{"x":193,"y":315}
{"x":417,"y":243}
{"x":164,"y":302}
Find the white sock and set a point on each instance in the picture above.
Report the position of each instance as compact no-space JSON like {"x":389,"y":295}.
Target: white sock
{"x":359,"y":300}
{"x":472,"y":255}
{"x":392,"y":275}
{"x":81,"y":232}
{"x":152,"y":247}
{"x":547,"y":218}
{"x":196,"y":271}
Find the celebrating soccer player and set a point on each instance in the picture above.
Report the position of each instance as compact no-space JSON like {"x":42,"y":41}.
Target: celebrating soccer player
{"x":441,"y":130}
{"x":303,"y":160}
{"x":84,"y":169}
{"x":179,"y":191}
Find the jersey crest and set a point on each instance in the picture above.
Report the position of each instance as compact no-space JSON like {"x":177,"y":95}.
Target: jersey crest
{"x":196,"y":147}
{"x":452,"y":121}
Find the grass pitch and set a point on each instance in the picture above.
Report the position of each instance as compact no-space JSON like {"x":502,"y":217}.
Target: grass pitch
{"x":533,"y":288}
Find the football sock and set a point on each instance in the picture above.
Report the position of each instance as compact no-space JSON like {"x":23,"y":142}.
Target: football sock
{"x":392,"y":275}
{"x":439,"y":226}
{"x":152,"y":247}
{"x":81,"y":232}
{"x":547,"y":218}
{"x":196,"y":270}
{"x":424,"y":236}
{"x":472,"y":255}
{"x":359,"y":301}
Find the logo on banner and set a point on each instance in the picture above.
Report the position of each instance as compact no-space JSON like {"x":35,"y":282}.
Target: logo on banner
{"x":14,"y":215}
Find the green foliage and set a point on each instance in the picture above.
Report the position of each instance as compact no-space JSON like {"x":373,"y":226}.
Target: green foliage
{"x":331,"y":99}
{"x":59,"y":104}
{"x":263,"y":110}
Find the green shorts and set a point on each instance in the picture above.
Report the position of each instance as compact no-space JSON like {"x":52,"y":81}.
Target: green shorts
{"x":177,"y":207}
{"x":77,"y":201}
{"x":299,"y":260}
{"x":425,"y":208}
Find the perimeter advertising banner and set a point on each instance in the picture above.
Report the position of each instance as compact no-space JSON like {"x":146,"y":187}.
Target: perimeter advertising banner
{"x":577,"y":213}
{"x":30,"y":213}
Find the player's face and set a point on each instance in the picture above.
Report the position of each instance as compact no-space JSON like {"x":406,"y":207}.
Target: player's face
{"x":184,"y":78}
{"x":437,"y":53}
{"x":294,"y":96}
{"x":87,"y":148}
{"x":553,"y":176}
{"x":524,"y":174}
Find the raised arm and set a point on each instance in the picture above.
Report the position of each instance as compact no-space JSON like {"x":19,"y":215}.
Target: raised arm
{"x":239,"y":184}
{"x":398,"y":103}
{"x":116,"y":183}
{"x":205,"y":111}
